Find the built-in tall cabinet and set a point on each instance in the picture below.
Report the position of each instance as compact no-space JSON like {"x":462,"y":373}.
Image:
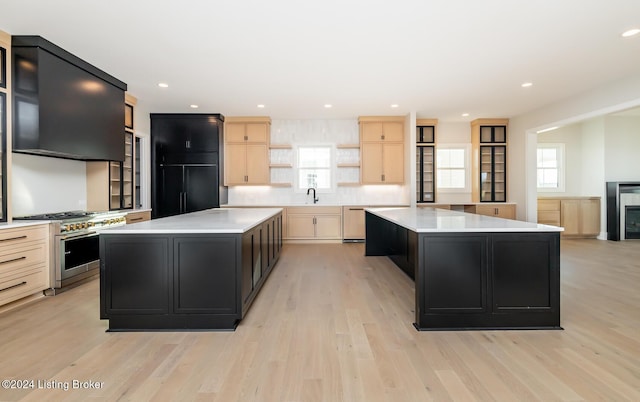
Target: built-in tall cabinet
{"x":381,"y":149}
{"x":246,"y":149}
{"x":186,"y":160}
{"x":425,"y":160}
{"x":5,"y":48}
{"x":119,"y":192}
{"x":489,"y":149}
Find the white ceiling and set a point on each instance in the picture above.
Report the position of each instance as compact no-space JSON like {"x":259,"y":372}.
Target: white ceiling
{"x":438,"y":58}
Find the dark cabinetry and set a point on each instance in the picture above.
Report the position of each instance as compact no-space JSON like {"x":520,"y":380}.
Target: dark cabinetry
{"x":425,"y":160}
{"x":186,"y":160}
{"x":3,"y":158}
{"x":489,"y":143}
{"x":185,"y":281}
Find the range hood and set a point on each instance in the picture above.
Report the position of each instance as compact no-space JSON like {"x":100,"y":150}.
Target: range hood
{"x":63,"y":106}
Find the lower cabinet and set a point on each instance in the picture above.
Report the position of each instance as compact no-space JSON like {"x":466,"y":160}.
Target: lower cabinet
{"x":138,"y":216}
{"x":185,"y":281}
{"x":499,"y":210}
{"x":308,"y":223}
{"x":579,"y":216}
{"x":24,"y":262}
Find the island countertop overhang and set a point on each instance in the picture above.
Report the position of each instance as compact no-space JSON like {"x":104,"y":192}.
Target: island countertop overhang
{"x":425,"y":220}
{"x":215,"y":220}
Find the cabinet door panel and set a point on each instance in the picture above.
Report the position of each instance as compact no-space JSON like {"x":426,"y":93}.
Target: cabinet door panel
{"x":234,"y":132}
{"x":371,"y":132}
{"x":169,"y":196}
{"x":201,"y":187}
{"x":393,"y":163}
{"x":590,"y":217}
{"x":235,"y":160}
{"x":257,"y":164}
{"x":205,"y":275}
{"x":300,"y":226}
{"x":328,"y":227}
{"x":393,"y":131}
{"x":257,"y":132}
{"x":353,"y":225}
{"x":371,"y":163}
{"x":570,"y":217}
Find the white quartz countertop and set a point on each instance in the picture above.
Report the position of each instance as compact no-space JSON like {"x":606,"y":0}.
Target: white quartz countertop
{"x":441,"y":220}
{"x":216,"y":220}
{"x":19,"y":224}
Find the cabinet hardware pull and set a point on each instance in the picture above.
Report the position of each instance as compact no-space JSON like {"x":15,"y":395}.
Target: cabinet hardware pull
{"x":382,"y":177}
{"x":356,"y":209}
{"x":14,"y":238}
{"x":246,"y":138}
{"x":135,"y":219}
{"x":14,"y":259}
{"x":14,"y":286}
{"x":382,"y":137}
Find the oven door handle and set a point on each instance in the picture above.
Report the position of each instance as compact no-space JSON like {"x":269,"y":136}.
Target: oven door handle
{"x":75,"y":236}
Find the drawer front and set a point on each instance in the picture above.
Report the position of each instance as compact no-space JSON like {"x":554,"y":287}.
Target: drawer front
{"x":133,"y":217}
{"x":13,"y":237}
{"x":22,"y":258}
{"x":314,"y":210}
{"x":23,"y":286}
{"x":548,"y":205}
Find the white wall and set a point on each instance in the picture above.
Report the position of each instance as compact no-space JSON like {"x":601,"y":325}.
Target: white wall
{"x":622,"y":148}
{"x":43,"y":184}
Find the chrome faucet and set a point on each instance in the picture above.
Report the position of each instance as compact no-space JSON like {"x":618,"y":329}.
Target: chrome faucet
{"x":314,"y":194}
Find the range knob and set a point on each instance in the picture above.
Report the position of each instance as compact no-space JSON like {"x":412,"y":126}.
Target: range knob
{"x":71,"y":226}
{"x":90,"y":224}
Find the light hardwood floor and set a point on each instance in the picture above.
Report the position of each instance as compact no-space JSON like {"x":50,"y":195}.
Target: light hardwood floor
{"x":333,"y":325}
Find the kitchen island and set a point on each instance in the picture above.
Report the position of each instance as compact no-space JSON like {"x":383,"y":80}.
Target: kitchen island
{"x":471,"y":271}
{"x":196,"y":271}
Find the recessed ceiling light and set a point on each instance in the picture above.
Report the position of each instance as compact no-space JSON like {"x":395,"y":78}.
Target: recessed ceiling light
{"x":328,"y":106}
{"x":465,"y":114}
{"x":527,"y":84}
{"x":631,"y":32}
{"x":261,"y":106}
{"x":194,"y":106}
{"x":163,"y":85}
{"x":546,"y":129}
{"x":395,"y":105}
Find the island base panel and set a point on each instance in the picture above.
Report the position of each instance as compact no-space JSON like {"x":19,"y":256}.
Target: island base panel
{"x":174,"y":322}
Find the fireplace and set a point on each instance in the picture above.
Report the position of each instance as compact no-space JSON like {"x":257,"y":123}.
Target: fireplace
{"x":623,"y":210}
{"x":632,"y":222}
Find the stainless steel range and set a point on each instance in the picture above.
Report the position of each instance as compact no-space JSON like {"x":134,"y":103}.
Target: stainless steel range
{"x":75,"y":247}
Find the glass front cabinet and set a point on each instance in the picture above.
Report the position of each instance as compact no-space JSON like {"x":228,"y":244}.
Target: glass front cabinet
{"x":425,"y":160}
{"x":489,"y":142}
{"x":121,"y":178}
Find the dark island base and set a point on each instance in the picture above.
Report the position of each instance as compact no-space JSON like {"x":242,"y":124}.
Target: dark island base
{"x":185,"y":282}
{"x":475,"y":280}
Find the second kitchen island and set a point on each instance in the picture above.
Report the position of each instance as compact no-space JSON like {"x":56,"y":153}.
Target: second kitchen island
{"x":197,"y":271}
{"x":472,"y":271}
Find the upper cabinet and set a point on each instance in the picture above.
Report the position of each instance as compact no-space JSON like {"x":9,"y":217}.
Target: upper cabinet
{"x":489,"y":149}
{"x":5,"y":47}
{"x":425,"y":160}
{"x":247,"y":150}
{"x":381,"y":149}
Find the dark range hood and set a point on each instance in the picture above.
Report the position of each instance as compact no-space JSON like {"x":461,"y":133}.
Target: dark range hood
{"x":63,"y":106}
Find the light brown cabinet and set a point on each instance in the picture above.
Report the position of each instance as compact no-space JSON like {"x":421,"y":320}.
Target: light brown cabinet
{"x":311,"y":223}
{"x":353,"y":227}
{"x":138,"y":216}
{"x":507,"y":211}
{"x":246,"y":154}
{"x":579,"y":216}
{"x":24,"y":262}
{"x":381,"y":150}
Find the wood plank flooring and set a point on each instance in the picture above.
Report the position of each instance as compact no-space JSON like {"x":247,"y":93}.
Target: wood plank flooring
{"x":333,"y":325}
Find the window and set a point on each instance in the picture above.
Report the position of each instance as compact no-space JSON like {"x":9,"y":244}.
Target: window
{"x":550,"y":164}
{"x":314,"y":167}
{"x":451,"y":165}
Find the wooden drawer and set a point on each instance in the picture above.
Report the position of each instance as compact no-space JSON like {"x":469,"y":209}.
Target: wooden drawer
{"x":548,"y":205}
{"x":10,"y":238}
{"x":22,"y":286}
{"x":140,"y":216}
{"x":314,"y":210}
{"x":22,"y":258}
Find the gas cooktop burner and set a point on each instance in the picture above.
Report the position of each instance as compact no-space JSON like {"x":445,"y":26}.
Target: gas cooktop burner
{"x":58,"y":215}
